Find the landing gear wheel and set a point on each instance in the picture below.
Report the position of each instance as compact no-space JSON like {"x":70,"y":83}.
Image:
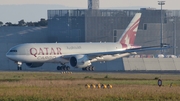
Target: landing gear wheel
{"x":67,"y":68}
{"x":90,"y":68}
{"x":58,"y":68}
{"x":61,"y":68}
{"x":93,"y":68}
{"x":19,"y":68}
{"x":64,"y":68}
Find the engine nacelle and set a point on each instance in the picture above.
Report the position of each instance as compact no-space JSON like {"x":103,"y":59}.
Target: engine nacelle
{"x":80,"y":61}
{"x":34,"y":65}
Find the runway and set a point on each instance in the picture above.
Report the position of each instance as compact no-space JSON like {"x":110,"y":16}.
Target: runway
{"x":118,"y":72}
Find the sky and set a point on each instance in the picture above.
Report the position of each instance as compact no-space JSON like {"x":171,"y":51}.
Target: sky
{"x":16,"y":10}
{"x":170,"y":4}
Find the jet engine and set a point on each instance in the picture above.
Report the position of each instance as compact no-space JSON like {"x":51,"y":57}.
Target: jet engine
{"x":80,"y":61}
{"x":34,"y":65}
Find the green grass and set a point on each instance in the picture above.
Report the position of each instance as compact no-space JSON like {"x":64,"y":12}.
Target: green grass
{"x":54,"y":86}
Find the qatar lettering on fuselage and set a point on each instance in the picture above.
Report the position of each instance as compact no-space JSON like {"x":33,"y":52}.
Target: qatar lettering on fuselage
{"x":45,"y":51}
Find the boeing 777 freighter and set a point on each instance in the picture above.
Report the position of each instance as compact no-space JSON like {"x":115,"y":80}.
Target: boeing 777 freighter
{"x":78,"y":55}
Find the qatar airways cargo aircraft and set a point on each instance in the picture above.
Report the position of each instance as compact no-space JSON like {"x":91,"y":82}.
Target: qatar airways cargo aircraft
{"x":78,"y":55}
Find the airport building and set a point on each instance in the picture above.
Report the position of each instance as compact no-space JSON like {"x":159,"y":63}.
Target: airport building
{"x":98,"y":25}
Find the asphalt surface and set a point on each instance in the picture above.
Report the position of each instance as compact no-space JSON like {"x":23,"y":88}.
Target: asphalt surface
{"x":79,"y":71}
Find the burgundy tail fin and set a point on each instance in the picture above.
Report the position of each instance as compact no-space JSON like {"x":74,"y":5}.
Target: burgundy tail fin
{"x":129,"y":34}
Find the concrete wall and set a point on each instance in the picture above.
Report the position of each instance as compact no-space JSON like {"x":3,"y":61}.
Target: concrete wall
{"x":149,"y":64}
{"x":115,"y":65}
{"x":133,"y":64}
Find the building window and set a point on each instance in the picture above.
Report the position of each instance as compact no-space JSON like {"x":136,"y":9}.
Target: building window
{"x":115,"y":39}
{"x":115,"y":33}
{"x":145,"y":26}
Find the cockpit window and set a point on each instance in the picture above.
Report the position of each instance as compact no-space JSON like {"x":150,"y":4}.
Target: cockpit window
{"x":13,"y":50}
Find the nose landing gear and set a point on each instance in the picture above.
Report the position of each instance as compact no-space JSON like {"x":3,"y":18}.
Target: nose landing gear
{"x":19,"y":65}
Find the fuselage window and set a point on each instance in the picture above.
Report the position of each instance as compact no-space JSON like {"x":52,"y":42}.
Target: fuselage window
{"x":13,"y":50}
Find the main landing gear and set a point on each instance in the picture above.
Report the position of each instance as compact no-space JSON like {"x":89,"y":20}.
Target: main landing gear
{"x":19,"y":65}
{"x":89,"y":68}
{"x":63,"y":67}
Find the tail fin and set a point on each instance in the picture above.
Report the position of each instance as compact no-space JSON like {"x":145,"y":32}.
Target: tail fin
{"x":129,"y":34}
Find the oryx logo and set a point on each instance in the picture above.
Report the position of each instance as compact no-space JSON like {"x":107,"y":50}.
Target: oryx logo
{"x":130,"y":34}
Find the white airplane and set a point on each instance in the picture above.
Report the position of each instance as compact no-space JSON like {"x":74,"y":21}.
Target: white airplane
{"x":78,"y":55}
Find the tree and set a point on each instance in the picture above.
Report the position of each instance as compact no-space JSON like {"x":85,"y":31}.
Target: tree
{"x":21,"y":23}
{"x":30,"y":24}
{"x":8,"y":24}
{"x":43,"y":22}
{"x":1,"y":23}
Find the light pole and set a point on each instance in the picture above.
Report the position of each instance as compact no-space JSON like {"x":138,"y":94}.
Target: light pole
{"x":161,"y":3}
{"x":175,"y":34}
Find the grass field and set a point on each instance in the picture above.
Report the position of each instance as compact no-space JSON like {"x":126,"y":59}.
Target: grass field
{"x":54,"y":86}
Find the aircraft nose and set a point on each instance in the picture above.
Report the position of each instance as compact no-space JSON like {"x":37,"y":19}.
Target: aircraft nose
{"x":7,"y":55}
{"x":12,"y":53}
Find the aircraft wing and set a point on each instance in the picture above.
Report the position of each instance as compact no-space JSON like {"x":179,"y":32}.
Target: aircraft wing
{"x":149,"y":48}
{"x":99,"y":54}
{"x":130,"y":50}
